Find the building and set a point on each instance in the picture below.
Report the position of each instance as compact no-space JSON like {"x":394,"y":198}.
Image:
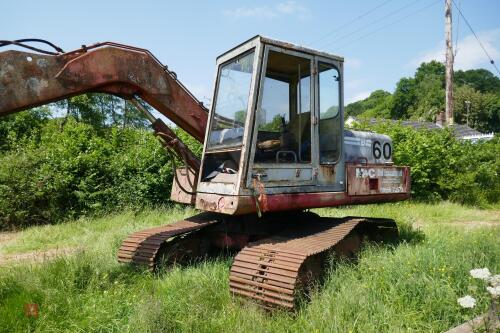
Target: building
{"x":462,"y":132}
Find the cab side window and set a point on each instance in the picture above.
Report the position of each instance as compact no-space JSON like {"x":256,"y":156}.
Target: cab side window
{"x":329,"y":113}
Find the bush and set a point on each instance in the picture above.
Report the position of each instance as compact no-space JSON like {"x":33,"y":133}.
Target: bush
{"x":443,"y":167}
{"x":17,"y":128}
{"x":77,"y":170}
{"x":50,"y":172}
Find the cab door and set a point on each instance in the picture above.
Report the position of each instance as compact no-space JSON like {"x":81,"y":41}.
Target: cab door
{"x":329,"y":127}
{"x":283,"y":139}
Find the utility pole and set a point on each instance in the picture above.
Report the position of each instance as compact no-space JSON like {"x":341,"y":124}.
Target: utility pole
{"x":449,"y":65}
{"x":467,"y":104}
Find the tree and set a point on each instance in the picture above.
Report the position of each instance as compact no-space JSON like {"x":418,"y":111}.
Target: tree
{"x":430,"y":97}
{"x":404,"y":98}
{"x":21,"y":126}
{"x":482,"y":112}
{"x":430,"y":69}
{"x":480,"y":79}
{"x":377,"y":105}
{"x":239,"y":116}
{"x":102,"y":110}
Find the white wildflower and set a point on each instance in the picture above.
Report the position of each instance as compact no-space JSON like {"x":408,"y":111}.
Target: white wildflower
{"x":495,"y":280}
{"x":494,"y":291}
{"x":480,"y":273}
{"x":467,"y":302}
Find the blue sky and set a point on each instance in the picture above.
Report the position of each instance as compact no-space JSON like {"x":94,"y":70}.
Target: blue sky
{"x":379,"y":47}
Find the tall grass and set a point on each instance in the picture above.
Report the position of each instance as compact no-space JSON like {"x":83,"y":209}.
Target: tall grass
{"x":408,"y":287}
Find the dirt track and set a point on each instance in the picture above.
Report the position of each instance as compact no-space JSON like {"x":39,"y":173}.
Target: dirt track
{"x":37,"y":256}
{"x":31,"y":256}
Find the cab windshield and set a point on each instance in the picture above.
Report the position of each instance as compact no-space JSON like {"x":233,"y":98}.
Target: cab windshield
{"x":231,"y":103}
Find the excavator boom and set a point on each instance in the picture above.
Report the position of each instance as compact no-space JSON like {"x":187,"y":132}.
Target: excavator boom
{"x":28,"y":80}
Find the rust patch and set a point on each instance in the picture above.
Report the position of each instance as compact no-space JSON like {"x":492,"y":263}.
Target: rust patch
{"x":208,"y":205}
{"x":328,"y":172}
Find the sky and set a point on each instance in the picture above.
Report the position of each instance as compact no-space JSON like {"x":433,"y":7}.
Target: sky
{"x":381,"y":40}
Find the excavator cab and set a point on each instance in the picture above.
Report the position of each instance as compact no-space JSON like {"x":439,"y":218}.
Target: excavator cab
{"x":275,"y":131}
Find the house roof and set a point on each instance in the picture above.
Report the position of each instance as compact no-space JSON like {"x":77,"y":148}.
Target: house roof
{"x":461,"y":131}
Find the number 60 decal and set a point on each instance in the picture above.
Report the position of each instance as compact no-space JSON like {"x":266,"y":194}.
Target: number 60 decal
{"x":378,"y":150}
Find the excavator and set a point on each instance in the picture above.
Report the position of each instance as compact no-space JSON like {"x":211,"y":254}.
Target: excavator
{"x":274,"y":147}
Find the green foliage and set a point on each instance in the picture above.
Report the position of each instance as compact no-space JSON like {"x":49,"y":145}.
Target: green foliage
{"x":331,"y":112}
{"x":480,"y":79}
{"x":377,"y":105}
{"x":443,"y":167}
{"x":430,"y":69}
{"x":403,"y":98}
{"x":422,"y":97}
{"x":240,"y":116}
{"x":194,"y":145}
{"x":17,"y":128}
{"x":482,"y":112}
{"x":274,"y":125}
{"x":76,"y":169}
{"x":102,"y":110}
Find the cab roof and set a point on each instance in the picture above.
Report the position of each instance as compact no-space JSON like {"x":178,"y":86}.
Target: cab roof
{"x":285,"y":45}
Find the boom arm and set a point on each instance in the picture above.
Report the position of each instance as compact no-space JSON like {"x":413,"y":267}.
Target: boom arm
{"x":28,"y":80}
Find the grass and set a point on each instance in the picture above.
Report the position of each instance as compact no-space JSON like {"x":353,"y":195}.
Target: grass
{"x":411,"y":287}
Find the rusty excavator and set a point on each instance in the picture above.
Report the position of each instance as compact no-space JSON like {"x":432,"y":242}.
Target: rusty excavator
{"x":274,"y":146}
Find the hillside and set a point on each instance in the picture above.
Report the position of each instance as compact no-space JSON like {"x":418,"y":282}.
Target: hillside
{"x":421,"y":97}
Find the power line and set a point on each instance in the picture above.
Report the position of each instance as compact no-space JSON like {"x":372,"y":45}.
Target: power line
{"x":372,"y":23}
{"x":390,"y":24}
{"x":477,"y":38}
{"x":343,"y":26}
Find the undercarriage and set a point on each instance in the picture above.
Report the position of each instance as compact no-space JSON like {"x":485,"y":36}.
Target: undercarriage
{"x":280,"y":256}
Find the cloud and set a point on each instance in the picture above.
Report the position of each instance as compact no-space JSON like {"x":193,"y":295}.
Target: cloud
{"x":469,"y":54}
{"x":288,"y":8}
{"x":357,"y":97}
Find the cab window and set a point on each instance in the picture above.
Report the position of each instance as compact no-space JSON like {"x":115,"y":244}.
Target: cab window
{"x":329,"y":113}
{"x":284,"y":113}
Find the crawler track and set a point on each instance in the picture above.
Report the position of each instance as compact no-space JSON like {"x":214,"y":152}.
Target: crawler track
{"x":273,"y":271}
{"x":143,"y":247}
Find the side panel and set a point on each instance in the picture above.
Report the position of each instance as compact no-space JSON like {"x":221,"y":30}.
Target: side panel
{"x":183,"y":185}
{"x":393,"y":184}
{"x":373,"y":179}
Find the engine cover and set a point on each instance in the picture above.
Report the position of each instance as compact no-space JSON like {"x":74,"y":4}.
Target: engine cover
{"x":367,"y":147}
